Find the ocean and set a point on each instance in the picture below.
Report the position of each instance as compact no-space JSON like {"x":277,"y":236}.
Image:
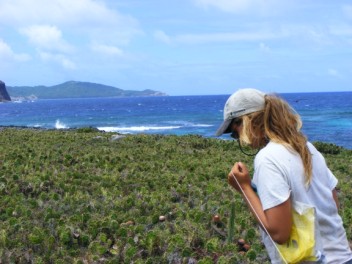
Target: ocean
{"x":326,"y":117}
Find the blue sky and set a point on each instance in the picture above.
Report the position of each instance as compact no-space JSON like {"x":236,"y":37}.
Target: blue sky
{"x":183,"y":47}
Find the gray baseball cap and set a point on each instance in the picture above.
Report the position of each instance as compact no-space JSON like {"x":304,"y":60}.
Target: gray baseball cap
{"x":240,"y":103}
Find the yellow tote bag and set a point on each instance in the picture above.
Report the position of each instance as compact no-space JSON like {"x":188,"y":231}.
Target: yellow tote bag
{"x":301,"y":244}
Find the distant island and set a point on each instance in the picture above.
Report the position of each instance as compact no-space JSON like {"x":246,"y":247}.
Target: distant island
{"x":74,"y":89}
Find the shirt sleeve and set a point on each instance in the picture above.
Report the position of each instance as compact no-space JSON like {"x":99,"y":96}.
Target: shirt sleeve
{"x":332,"y":180}
{"x":323,"y":169}
{"x":272,"y":184}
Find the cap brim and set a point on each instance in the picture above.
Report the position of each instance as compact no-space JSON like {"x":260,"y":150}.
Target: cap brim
{"x":224,"y":128}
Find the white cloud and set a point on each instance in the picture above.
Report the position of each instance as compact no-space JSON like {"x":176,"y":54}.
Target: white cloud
{"x":60,"y":59}
{"x":46,"y":37}
{"x":238,"y":6}
{"x":89,"y":18}
{"x":224,"y":37}
{"x":226,"y":5}
{"x":245,"y":36}
{"x":107,"y":50}
{"x":56,"y":28}
{"x":318,"y":34}
{"x":162,"y":36}
{"x":303,"y":34}
{"x":292,"y":33}
{"x":56,"y":12}
{"x":341,"y":29}
{"x":6,"y":53}
{"x":347,"y":9}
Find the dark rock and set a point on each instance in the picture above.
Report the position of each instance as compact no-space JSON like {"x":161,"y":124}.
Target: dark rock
{"x":4,"y":95}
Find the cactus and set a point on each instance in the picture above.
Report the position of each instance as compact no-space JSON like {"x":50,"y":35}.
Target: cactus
{"x":231,"y":230}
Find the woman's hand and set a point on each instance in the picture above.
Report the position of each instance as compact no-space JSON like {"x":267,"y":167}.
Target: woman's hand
{"x":276,"y":220}
{"x":240,"y":171}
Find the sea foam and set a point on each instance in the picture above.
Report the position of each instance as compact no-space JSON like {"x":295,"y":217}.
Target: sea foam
{"x":60,"y":125}
{"x":137,"y":128}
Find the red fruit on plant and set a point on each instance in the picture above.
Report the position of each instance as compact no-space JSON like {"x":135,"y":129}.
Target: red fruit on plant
{"x":246,"y":247}
{"x":216,"y":218}
{"x":241,"y":242}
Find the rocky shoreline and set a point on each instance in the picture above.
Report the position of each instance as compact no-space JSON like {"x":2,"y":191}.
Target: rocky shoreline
{"x":4,"y":95}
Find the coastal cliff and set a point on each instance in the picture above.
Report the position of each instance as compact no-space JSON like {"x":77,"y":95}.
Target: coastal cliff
{"x":4,"y":95}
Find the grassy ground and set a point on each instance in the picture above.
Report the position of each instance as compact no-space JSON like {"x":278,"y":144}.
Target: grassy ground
{"x":83,"y":196}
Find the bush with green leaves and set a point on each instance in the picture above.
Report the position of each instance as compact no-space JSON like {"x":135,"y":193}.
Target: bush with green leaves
{"x":84,"y":196}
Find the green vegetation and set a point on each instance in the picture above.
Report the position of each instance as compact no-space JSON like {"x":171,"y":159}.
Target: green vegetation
{"x":73,"y":89}
{"x":84,"y":196}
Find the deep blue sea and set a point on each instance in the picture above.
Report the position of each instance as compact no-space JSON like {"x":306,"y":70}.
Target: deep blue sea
{"x":326,"y":116}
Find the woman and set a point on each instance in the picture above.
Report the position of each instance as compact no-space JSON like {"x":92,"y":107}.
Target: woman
{"x":287,"y":169}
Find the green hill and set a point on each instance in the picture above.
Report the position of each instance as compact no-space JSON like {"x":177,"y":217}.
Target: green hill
{"x":74,"y":89}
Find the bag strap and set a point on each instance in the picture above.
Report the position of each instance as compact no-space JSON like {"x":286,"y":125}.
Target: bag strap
{"x":260,"y":221}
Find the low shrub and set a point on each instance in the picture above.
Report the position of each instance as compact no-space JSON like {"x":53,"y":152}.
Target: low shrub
{"x":67,"y":197}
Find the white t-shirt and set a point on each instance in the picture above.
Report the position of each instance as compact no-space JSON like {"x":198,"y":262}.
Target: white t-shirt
{"x":279,"y":174}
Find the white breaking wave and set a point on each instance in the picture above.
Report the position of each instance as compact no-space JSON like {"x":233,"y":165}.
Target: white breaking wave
{"x":137,"y":128}
{"x":60,"y":125}
{"x":189,"y":124}
{"x":201,"y":125}
{"x":173,"y":125}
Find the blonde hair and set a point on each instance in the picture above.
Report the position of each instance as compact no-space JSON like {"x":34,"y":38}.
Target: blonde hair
{"x":279,"y":123}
